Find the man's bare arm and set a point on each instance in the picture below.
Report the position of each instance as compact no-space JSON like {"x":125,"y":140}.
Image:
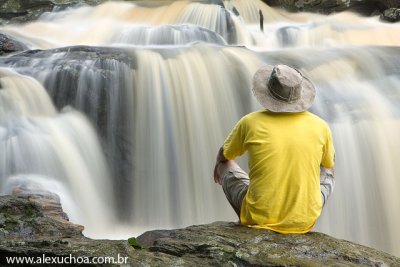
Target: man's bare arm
{"x":220,"y":156}
{"x":220,"y":159}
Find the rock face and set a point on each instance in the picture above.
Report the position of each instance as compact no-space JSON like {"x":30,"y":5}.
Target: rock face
{"x":20,"y":11}
{"x":324,"y":6}
{"x":366,"y":7}
{"x":27,"y":228}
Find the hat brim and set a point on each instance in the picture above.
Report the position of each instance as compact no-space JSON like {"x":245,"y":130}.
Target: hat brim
{"x":264,"y":97}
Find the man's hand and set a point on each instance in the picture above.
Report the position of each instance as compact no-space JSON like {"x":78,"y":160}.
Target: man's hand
{"x":331,"y":171}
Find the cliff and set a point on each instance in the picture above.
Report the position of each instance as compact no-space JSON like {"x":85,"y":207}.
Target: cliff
{"x":34,"y":225}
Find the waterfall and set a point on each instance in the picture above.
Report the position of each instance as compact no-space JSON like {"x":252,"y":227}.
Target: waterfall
{"x":139,"y":97}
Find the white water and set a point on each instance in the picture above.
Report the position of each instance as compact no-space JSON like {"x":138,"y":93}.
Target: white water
{"x":178,"y":100}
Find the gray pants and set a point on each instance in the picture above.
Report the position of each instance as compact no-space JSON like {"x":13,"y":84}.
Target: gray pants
{"x":235,"y":183}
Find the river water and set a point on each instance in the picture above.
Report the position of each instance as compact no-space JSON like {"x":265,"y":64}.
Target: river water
{"x":124,"y":110}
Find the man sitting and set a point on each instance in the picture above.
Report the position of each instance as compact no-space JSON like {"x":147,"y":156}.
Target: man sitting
{"x":290,"y":156}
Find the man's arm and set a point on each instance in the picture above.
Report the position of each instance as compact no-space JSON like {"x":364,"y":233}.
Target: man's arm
{"x":220,"y":159}
{"x":234,"y":147}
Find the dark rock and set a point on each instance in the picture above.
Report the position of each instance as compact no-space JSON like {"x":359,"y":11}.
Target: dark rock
{"x":20,"y":11}
{"x":23,"y":10}
{"x":365,"y":7}
{"x":216,"y":244}
{"x":389,"y":3}
{"x":149,"y":238}
{"x":391,"y":15}
{"x":8,"y":45}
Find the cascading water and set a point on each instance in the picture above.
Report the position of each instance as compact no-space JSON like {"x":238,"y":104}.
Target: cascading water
{"x":49,"y":151}
{"x":164,"y":90}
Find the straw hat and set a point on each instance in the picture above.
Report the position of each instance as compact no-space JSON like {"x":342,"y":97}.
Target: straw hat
{"x":282,"y":88}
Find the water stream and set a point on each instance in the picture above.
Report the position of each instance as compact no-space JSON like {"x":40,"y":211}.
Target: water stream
{"x":141,"y":96}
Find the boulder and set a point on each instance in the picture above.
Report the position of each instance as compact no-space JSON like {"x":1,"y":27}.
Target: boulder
{"x":391,"y":15}
{"x":28,"y":229}
{"x":9,"y":45}
{"x":31,"y":217}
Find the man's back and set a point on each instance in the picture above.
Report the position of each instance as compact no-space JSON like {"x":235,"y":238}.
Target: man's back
{"x":291,"y":155}
{"x":285,"y":154}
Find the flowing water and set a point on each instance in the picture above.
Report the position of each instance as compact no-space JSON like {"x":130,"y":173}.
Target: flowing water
{"x":140,"y":98}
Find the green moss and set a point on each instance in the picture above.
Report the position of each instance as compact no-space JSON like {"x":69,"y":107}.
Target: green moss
{"x":32,"y":211}
{"x":11,"y":5}
{"x":291,"y":8}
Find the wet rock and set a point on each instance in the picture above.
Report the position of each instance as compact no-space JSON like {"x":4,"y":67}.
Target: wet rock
{"x":365,"y":7}
{"x":391,"y":15}
{"x":389,"y":3}
{"x":28,"y":229}
{"x":20,"y":11}
{"x":9,"y":45}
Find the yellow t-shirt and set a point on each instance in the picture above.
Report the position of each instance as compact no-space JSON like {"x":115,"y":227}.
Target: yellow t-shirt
{"x":285,"y":154}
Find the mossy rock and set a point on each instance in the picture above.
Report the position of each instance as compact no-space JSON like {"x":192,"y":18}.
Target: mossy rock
{"x":391,"y":15}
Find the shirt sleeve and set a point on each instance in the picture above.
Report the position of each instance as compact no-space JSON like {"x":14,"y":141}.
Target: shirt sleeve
{"x":328,"y":156}
{"x":234,"y":144}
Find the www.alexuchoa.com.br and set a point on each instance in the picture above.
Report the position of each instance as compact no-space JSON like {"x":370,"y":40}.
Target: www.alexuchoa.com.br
{"x":66,"y":260}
